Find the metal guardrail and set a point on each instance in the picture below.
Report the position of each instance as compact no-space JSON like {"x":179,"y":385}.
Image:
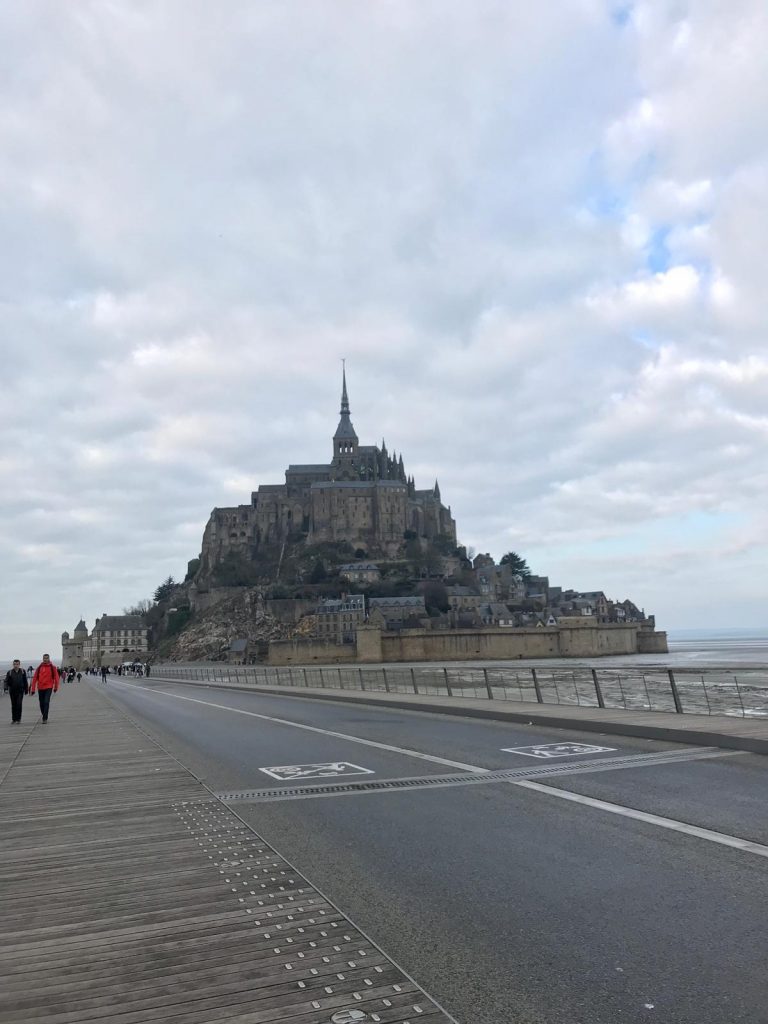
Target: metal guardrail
{"x":712,"y":692}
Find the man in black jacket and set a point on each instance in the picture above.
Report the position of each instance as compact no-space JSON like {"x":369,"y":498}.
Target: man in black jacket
{"x":16,"y":684}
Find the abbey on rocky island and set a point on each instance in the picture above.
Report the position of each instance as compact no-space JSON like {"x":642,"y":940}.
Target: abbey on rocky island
{"x":362,"y":496}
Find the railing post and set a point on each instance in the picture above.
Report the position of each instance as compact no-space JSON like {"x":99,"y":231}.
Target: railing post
{"x":488,"y":684}
{"x":413,"y":682}
{"x":360,"y":676}
{"x":536,"y":686}
{"x":304,"y":672}
{"x":706,"y":695}
{"x":447,"y":682}
{"x":386,"y":681}
{"x":738,"y":694}
{"x":675,"y":694}
{"x":598,"y":691}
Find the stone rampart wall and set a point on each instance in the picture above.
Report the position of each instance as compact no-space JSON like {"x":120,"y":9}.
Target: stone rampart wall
{"x":469,"y":644}
{"x":305,"y":652}
{"x":583,"y":641}
{"x":650,"y":641}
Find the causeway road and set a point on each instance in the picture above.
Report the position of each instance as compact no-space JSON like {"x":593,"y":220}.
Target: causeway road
{"x":574,"y":885}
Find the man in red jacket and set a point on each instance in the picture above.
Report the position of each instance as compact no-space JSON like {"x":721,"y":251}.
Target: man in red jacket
{"x":45,"y":681}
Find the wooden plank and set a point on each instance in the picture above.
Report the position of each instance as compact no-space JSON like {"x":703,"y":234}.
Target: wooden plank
{"x":132,"y":895}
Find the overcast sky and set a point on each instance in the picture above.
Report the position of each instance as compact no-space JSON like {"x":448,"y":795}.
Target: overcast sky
{"x":535,"y":231}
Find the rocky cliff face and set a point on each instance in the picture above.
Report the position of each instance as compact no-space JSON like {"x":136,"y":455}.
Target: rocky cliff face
{"x":243,"y":616}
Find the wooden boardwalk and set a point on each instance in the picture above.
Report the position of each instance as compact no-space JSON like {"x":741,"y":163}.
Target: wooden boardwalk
{"x":131,"y":894}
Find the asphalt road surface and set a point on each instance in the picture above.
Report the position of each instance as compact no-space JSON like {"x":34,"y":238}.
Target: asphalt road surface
{"x":516,"y":901}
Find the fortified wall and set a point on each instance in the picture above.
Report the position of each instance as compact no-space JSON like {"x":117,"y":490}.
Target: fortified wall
{"x":591,"y":640}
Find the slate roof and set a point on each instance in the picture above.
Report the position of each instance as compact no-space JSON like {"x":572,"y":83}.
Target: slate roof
{"x":345,"y":430}
{"x":356,"y":566}
{"x":499,"y":610}
{"x":358,"y":483}
{"x":119,"y":622}
{"x":396,"y":602}
{"x":308,"y":468}
{"x":352,"y":602}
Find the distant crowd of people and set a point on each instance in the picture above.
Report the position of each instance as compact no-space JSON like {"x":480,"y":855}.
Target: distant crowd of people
{"x":46,"y":678}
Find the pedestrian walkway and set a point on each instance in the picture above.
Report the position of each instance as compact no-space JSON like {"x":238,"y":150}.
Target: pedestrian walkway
{"x":131,"y":894}
{"x":704,"y":730}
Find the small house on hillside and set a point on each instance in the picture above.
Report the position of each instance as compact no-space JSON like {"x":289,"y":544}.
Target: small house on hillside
{"x":360,"y":572}
{"x":338,"y":618}
{"x":237,"y":652}
{"x":393,"y":612}
{"x":497,"y":614}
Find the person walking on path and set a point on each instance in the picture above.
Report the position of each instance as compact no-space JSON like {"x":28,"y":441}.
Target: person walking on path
{"x":45,"y":681}
{"x":103,"y":673}
{"x":16,"y":685}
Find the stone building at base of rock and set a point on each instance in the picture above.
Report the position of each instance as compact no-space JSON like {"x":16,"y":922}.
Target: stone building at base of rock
{"x":113,"y":640}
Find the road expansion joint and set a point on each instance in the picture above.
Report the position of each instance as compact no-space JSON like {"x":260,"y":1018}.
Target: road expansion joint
{"x":400,"y":785}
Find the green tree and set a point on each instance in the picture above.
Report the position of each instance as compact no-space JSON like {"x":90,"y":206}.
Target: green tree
{"x":518,"y":565}
{"x":165,"y":589}
{"x":318,"y":573}
{"x":435,"y":597}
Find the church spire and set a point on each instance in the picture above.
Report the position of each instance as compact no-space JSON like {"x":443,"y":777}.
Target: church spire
{"x":344,"y":398}
{"x":345,"y":438}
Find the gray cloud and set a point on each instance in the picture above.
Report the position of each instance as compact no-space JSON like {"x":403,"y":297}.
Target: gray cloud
{"x":536,"y":236}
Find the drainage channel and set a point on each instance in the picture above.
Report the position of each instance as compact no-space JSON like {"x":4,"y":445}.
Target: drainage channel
{"x":604,"y":764}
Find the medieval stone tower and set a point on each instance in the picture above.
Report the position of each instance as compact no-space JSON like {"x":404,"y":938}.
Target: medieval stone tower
{"x":72,"y":647}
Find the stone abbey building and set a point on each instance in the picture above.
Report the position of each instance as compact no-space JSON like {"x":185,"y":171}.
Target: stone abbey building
{"x":362,"y":496}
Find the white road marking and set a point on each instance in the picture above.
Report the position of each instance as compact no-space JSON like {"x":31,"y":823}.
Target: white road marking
{"x":326,"y":770}
{"x":550,"y":750}
{"x":324,"y":732}
{"x":652,"y":819}
{"x":628,"y":812}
